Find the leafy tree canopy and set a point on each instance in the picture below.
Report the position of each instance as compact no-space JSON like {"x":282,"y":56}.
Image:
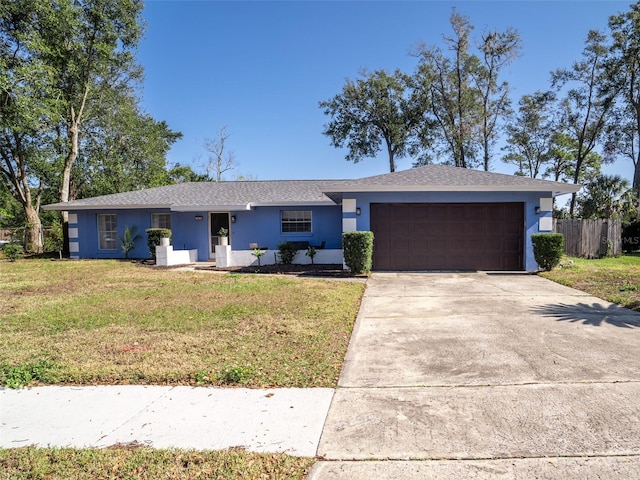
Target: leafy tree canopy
{"x":607,"y":196}
{"x":379,"y":111}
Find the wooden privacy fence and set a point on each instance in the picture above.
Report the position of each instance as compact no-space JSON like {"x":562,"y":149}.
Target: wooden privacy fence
{"x":590,"y":238}
{"x":7,"y":234}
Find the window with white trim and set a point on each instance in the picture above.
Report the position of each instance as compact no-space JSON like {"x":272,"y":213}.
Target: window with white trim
{"x":107,"y":231}
{"x":161,"y":220}
{"x":295,"y":221}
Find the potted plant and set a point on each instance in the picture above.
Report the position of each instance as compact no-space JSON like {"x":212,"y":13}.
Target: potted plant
{"x":165,"y":238}
{"x":223,"y":236}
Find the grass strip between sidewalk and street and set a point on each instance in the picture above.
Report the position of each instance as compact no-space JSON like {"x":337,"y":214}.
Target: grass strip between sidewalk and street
{"x":145,"y":463}
{"x":114,"y":322}
{"x":615,"y":279}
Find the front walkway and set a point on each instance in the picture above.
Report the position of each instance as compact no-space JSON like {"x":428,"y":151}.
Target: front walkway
{"x":485,"y":376}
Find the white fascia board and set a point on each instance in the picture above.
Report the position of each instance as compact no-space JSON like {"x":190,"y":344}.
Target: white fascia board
{"x":570,"y":188}
{"x":67,"y":208}
{"x":210,"y":208}
{"x":320,"y":203}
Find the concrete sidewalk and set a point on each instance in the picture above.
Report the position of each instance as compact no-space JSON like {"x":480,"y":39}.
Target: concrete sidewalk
{"x":284,"y":420}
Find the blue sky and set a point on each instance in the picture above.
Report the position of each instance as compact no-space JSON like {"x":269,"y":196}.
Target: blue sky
{"x":261,"y":67}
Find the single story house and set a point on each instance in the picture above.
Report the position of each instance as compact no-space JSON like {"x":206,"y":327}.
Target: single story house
{"x":433,"y":217}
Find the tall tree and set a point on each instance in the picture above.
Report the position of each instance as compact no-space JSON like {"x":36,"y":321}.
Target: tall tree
{"x":467,"y":99}
{"x":23,"y":122}
{"x":220,"y":160}
{"x":378,"y":111}
{"x":588,"y":103}
{"x":123,"y":149}
{"x":531,"y":135}
{"x":625,"y":66}
{"x":89,"y":46}
{"x":498,"y":49}
{"x":66,"y":71}
{"x":561,"y":161}
{"x":447,"y":82}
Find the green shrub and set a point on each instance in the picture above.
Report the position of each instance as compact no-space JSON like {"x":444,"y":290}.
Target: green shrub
{"x":311,"y":253}
{"x":287,"y":251}
{"x":129,"y":239}
{"x":13,"y":251}
{"x":631,"y":237}
{"x":54,"y":238}
{"x":153,"y":238}
{"x":548,"y":249}
{"x":358,"y":251}
{"x":258,"y":253}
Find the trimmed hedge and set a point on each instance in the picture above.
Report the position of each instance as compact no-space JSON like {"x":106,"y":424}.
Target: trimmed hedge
{"x":631,"y":237}
{"x":548,"y":249}
{"x":358,"y":251}
{"x":153,"y":238}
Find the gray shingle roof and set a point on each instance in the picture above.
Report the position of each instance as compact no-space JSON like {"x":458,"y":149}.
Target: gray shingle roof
{"x":446,"y":178}
{"x":245,"y":194}
{"x":211,"y":195}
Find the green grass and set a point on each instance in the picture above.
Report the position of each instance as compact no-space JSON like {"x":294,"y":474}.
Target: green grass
{"x":615,"y":279}
{"x":113,"y":322}
{"x":146,"y":463}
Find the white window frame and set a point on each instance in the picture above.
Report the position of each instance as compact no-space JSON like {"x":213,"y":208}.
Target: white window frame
{"x":296,"y":221}
{"x":107,"y":231}
{"x":157,"y":222}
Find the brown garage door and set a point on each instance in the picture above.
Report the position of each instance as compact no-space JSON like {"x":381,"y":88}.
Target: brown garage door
{"x":447,"y":236}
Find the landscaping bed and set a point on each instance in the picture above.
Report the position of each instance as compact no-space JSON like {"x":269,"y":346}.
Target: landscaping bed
{"x":306,"y":270}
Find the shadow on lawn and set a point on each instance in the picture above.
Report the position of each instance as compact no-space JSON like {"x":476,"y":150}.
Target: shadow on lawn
{"x":595,"y":314}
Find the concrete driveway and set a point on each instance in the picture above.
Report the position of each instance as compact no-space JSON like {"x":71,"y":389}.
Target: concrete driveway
{"x":482,"y":375}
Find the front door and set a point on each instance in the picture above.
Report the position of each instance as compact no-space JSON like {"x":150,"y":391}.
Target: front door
{"x":216,"y":222}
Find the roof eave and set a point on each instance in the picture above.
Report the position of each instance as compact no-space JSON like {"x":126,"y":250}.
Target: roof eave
{"x":319,"y":203}
{"x":70,"y":207}
{"x":210,"y":208}
{"x":570,"y":188}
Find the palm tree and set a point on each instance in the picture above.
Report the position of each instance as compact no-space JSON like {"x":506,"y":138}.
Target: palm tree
{"x":607,"y":196}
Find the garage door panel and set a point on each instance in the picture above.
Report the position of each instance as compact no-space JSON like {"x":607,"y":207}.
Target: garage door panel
{"x":482,"y":236}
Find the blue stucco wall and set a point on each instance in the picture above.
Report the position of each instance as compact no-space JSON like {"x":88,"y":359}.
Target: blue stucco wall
{"x":188,"y":233}
{"x":531,"y":200}
{"x":260,"y":225}
{"x":88,"y":232}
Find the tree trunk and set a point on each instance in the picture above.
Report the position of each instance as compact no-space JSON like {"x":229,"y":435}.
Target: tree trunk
{"x":636,"y":162}
{"x":486,"y":154}
{"x":66,"y":181}
{"x":392,"y":160}
{"x":485,"y":140}
{"x":636,"y":183}
{"x":636,"y":175}
{"x":33,"y":230}
{"x":21,"y":189}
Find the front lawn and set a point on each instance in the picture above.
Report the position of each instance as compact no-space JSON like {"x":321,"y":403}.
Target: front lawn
{"x":114,"y":322}
{"x":147,"y":464}
{"x":615,"y":279}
